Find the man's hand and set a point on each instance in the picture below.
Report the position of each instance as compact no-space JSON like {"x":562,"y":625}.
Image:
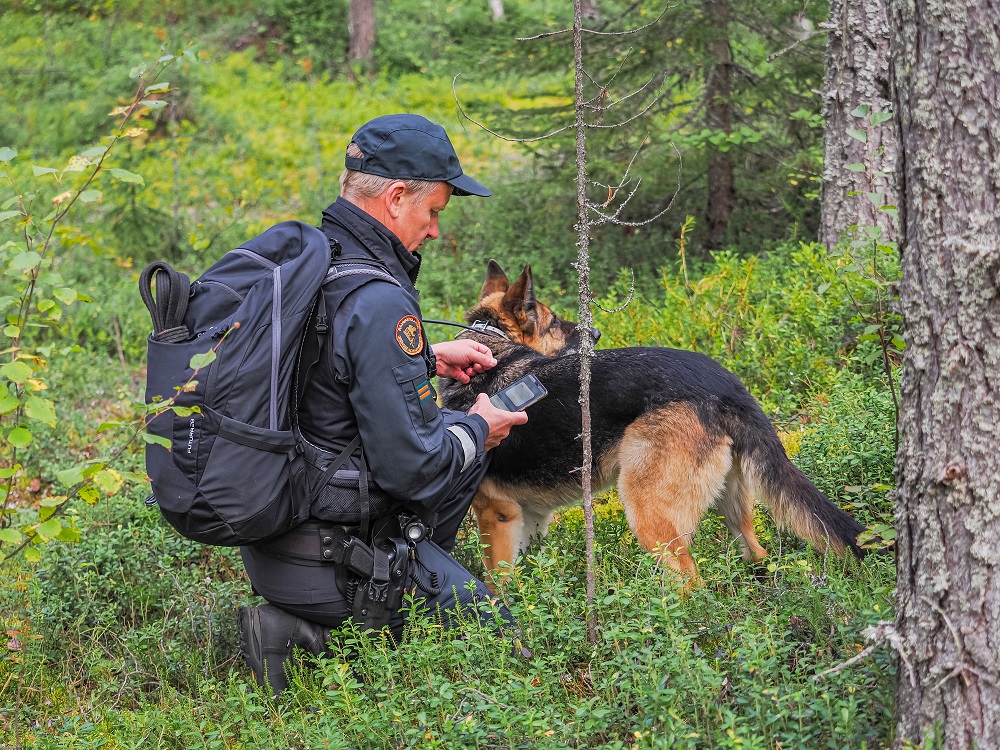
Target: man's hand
{"x":461,"y":359}
{"x":499,"y":420}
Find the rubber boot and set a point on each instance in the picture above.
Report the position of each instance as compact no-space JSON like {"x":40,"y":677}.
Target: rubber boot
{"x":268,"y":638}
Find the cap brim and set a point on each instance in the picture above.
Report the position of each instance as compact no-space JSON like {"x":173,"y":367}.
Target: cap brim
{"x":465,"y":185}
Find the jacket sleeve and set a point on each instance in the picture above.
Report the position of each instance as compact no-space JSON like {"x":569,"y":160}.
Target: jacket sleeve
{"x":412,"y":450}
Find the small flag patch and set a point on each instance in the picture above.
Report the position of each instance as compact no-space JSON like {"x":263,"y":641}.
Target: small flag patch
{"x":424,"y":390}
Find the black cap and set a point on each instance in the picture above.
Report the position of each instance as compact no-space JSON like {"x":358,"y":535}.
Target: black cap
{"x":410,"y":147}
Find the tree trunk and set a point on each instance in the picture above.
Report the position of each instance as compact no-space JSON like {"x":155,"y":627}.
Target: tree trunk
{"x":857,"y":72}
{"x":719,"y":117}
{"x":361,"y":26}
{"x":946,"y":59}
{"x":496,"y":6}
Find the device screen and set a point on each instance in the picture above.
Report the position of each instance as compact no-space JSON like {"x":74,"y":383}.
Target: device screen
{"x":520,"y":394}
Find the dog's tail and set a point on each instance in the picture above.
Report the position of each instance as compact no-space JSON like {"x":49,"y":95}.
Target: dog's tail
{"x":793,"y":500}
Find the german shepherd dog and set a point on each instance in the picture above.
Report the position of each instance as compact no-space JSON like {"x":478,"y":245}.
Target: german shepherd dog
{"x":679,"y":432}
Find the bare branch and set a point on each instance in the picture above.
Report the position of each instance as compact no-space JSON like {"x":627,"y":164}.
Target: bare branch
{"x":604,"y":87}
{"x":604,"y":92}
{"x":626,"y":303}
{"x":775,"y":55}
{"x":633,"y":118}
{"x":627,"y":32}
{"x":618,"y":222}
{"x":463,"y":113}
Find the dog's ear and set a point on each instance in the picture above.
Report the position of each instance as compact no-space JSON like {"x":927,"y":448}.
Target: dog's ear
{"x":520,"y":298}
{"x":496,"y":281}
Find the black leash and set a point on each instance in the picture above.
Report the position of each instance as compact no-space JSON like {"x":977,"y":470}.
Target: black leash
{"x":479,"y":326}
{"x":168,"y":307}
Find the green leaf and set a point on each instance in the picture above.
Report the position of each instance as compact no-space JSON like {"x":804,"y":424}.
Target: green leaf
{"x":822,"y":288}
{"x":877,"y":199}
{"x":40,"y":409}
{"x":156,"y":440}
{"x":110,"y":424}
{"x":96,"y":466}
{"x":163,"y":86}
{"x":4,"y":215}
{"x":858,"y":135}
{"x":10,"y":536}
{"x":69,"y":477}
{"x":126,"y":176}
{"x":89,"y":494}
{"x":8,"y":471}
{"x":898,"y":342}
{"x":17,"y":371}
{"x":9,"y":403}
{"x":90,"y":196}
{"x":7,"y":154}
{"x":32,"y":554}
{"x":109,"y":480}
{"x":879,"y":117}
{"x":202,"y":360}
{"x":154,"y":103}
{"x":52,"y":502}
{"x":45,"y":304}
{"x":49,"y":529}
{"x":856,"y":167}
{"x":39,"y":171}
{"x":95,"y":153}
{"x":25,"y":261}
{"x":65,"y":295}
{"x":861,"y":110}
{"x":19,"y":437}
{"x":69,"y":534}
{"x":11,"y":332}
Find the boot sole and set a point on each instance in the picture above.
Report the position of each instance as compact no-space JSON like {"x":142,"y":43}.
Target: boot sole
{"x":250,"y":642}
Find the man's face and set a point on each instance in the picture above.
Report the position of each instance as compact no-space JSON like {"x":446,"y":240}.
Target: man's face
{"x":417,"y":221}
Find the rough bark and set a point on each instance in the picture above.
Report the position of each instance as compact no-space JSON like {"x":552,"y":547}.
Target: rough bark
{"x":947,"y":68}
{"x":857,"y":72}
{"x":719,"y":116}
{"x":586,"y":318}
{"x":361,"y":26}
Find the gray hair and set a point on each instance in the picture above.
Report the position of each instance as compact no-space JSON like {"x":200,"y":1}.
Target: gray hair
{"x":366,"y":186}
{"x":369,"y":186}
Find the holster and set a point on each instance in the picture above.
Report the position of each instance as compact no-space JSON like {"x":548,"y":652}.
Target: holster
{"x":376,"y":598}
{"x":371,"y":576}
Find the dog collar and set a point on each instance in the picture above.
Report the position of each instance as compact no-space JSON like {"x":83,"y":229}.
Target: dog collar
{"x":484,"y":326}
{"x":479,"y":326}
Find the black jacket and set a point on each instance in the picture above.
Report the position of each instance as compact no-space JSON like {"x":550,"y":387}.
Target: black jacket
{"x":376,"y":372}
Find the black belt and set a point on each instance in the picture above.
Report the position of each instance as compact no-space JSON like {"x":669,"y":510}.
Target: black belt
{"x":315,"y":543}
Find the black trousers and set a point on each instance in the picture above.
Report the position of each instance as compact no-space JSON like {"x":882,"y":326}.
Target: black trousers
{"x":444,"y":588}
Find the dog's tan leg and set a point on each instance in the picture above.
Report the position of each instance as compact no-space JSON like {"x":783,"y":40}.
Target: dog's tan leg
{"x":736,"y":506}
{"x":501,"y":526}
{"x":671,"y":471}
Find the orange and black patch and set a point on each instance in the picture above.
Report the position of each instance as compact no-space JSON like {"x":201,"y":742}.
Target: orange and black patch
{"x":409,"y":335}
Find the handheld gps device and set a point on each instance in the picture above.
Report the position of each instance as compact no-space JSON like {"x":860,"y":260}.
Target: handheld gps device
{"x":520,"y":394}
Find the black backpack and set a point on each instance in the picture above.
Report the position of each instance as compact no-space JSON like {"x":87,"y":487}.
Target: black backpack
{"x":236,"y":472}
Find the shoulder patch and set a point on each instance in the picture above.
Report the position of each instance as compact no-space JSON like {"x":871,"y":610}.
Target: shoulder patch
{"x":409,"y":335}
